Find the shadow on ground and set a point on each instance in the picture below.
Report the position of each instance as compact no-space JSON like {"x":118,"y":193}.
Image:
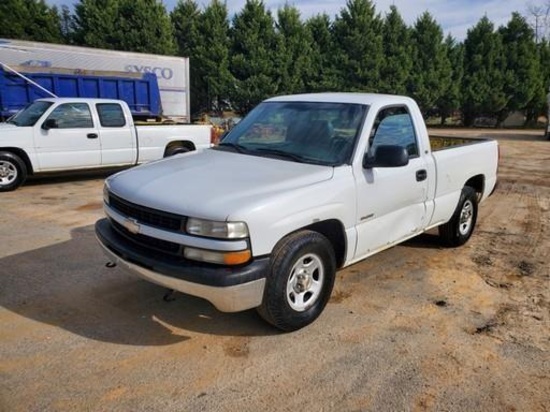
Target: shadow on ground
{"x":67,"y":285}
{"x":73,"y":176}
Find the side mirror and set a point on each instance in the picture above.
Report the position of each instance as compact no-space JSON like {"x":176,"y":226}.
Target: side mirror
{"x":50,"y":124}
{"x":387,"y":156}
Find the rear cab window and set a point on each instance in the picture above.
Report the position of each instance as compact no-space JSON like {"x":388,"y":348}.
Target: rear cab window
{"x":111,"y":115}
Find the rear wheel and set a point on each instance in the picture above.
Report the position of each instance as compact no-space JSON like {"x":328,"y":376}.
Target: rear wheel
{"x":175,"y":149}
{"x":301,"y":278}
{"x":13,"y":171}
{"x":458,"y":230}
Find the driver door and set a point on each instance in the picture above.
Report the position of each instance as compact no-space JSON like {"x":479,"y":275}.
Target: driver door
{"x":68,"y":139}
{"x":391,"y":200}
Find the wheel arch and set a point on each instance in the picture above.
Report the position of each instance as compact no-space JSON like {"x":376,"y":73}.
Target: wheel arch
{"x":22,"y":155}
{"x":334,"y":231}
{"x":179,"y":143}
{"x":478,"y":184}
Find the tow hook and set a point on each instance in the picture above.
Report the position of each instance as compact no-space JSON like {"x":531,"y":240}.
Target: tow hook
{"x":169,"y":296}
{"x":110,"y":265}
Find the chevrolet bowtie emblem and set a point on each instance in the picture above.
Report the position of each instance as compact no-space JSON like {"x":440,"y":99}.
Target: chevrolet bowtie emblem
{"x":131,"y":225}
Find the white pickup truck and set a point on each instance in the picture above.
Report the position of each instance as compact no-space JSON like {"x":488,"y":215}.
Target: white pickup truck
{"x":62,"y":134}
{"x":303,"y":186}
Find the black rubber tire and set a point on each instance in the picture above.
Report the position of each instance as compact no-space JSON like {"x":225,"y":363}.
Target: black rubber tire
{"x":11,"y":162}
{"x":275,"y":308}
{"x":176,"y":149}
{"x":451,"y":233}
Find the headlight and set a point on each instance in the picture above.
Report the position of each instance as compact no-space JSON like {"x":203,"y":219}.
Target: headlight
{"x":106,"y":193}
{"x":220,"y":230}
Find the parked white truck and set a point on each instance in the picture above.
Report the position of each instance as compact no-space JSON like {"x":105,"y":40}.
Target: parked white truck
{"x":64,"y":134}
{"x":303,"y":186}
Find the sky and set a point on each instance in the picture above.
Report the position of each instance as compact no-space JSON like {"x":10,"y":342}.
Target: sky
{"x":455,"y":16}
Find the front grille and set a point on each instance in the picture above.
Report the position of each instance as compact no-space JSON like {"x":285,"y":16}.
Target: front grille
{"x":149,"y":242}
{"x":147,"y":215}
{"x":150,"y":217}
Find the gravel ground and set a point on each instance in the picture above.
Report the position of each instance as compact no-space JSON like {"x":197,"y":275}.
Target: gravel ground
{"x":416,"y":327}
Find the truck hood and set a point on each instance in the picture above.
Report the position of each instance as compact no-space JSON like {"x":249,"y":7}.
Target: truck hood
{"x":213,"y":184}
{"x":7,"y":126}
{"x":11,"y":134}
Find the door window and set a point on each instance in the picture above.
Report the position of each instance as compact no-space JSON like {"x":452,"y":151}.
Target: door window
{"x":110,"y":115}
{"x":394,"y":126}
{"x":72,"y":116}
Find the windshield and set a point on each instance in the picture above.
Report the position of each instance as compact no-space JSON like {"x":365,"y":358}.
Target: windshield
{"x":306,"y":132}
{"x":30,"y":114}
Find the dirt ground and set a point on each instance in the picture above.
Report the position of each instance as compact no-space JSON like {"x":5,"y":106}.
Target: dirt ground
{"x":414,"y":328}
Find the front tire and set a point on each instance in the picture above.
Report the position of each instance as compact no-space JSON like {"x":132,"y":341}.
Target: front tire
{"x":13,"y":171}
{"x":459,"y":229}
{"x":301,"y":278}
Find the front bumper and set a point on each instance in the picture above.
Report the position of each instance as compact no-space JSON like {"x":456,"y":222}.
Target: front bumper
{"x":229,"y":289}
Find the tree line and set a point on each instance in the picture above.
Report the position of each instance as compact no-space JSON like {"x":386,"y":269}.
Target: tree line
{"x":255,"y":54}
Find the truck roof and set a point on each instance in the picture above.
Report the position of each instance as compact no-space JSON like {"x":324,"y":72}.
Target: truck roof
{"x":78,"y":99}
{"x":357,"y":98}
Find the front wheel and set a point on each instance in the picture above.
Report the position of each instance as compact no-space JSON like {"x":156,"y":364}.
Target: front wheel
{"x":458,"y":230}
{"x":302,"y":272}
{"x":13,"y":171}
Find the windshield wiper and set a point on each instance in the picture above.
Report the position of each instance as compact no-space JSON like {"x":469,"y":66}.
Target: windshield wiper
{"x":287,"y":155}
{"x":235,"y":146}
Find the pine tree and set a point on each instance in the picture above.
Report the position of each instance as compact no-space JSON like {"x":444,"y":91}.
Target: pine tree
{"x":450,"y":101}
{"x":131,"y":25}
{"x":95,"y":23}
{"x":211,"y":56}
{"x":323,"y":76}
{"x":538,"y":106}
{"x":144,"y":26}
{"x":252,"y":61}
{"x":293,"y":51}
{"x":185,"y":20}
{"x":522,"y":71}
{"x":359,"y":52}
{"x":431,"y":71}
{"x":483,"y":83}
{"x":30,"y":20}
{"x":397,"y":64}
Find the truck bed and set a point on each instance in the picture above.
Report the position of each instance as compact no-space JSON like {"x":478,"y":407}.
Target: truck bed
{"x":445,"y":142}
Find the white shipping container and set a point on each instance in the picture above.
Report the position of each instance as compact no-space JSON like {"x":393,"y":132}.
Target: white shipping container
{"x":172,"y":72}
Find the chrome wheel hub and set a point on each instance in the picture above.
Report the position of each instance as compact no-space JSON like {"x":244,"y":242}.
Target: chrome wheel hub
{"x":8,"y":172}
{"x":466,"y":217}
{"x":305,"y":282}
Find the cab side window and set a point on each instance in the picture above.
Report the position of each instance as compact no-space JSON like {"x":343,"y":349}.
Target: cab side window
{"x":110,"y":115}
{"x":72,"y":116}
{"x":394,"y":126}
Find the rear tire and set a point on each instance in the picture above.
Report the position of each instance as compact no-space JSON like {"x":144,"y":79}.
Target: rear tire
{"x":13,"y":171}
{"x":300,"y":281}
{"x":459,"y":229}
{"x":176,"y":149}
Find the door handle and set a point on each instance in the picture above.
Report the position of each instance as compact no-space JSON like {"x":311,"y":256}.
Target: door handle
{"x":421,"y":175}
{"x":91,"y":135}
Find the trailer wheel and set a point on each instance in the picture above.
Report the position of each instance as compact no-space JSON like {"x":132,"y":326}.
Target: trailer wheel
{"x":300,"y":281}
{"x":13,"y":171}
{"x":458,"y":230}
